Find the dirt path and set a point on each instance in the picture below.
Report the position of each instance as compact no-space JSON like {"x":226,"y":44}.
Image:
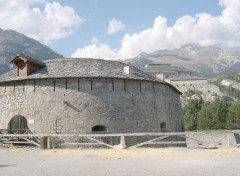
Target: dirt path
{"x":140,"y":162}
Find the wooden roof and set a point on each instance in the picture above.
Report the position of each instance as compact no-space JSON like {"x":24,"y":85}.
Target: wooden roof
{"x":27,"y":59}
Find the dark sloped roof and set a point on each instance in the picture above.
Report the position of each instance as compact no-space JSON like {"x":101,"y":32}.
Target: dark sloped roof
{"x":28,"y":59}
{"x":80,"y":68}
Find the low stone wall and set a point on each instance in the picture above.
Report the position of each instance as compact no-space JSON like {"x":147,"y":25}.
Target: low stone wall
{"x":213,"y":139}
{"x":202,"y":139}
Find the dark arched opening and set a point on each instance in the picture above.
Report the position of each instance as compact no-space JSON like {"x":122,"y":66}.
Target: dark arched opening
{"x":99,"y":129}
{"x":163,"y":127}
{"x":18,"y":124}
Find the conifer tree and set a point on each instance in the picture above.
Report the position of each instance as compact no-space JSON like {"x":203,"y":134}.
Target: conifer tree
{"x":190,"y":112}
{"x":233,"y":117}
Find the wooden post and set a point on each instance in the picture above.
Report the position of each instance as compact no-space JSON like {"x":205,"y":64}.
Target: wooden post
{"x":49,"y":142}
{"x":44,"y":142}
{"x":122,"y":142}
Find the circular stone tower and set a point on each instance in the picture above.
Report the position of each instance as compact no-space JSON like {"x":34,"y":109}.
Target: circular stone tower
{"x":72,"y":96}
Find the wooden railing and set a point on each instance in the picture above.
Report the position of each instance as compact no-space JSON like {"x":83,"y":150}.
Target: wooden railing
{"x":18,"y":136}
{"x":96,"y":139}
{"x":16,"y":131}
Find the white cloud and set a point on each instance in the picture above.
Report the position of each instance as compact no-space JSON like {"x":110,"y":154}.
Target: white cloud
{"x":115,"y":26}
{"x":96,"y":50}
{"x":51,"y":23}
{"x":202,"y":28}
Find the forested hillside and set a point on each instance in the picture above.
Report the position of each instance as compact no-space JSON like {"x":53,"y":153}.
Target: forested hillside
{"x":218,"y":114}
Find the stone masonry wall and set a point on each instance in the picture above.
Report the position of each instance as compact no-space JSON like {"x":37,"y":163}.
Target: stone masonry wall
{"x":76,"y":105}
{"x":213,"y":139}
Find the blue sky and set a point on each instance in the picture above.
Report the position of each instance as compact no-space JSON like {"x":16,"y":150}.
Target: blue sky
{"x":137,"y":15}
{"x":119,"y":29}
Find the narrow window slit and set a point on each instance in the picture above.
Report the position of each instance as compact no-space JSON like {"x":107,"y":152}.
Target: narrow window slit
{"x":140,"y":86}
{"x":14,"y":85}
{"x":34,"y":86}
{"x":23,"y":86}
{"x":66,"y":85}
{"x":5,"y":87}
{"x":113,"y":85}
{"x":124,"y":82}
{"x":91,"y":85}
{"x":54,"y":85}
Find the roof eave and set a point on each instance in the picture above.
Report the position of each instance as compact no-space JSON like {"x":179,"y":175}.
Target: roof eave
{"x":28,"y":59}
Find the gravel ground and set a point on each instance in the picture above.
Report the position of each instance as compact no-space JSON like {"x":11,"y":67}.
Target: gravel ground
{"x":108,"y":162}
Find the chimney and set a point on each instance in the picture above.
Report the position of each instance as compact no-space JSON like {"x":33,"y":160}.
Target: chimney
{"x":128,"y":69}
{"x":25,"y":65}
{"x":160,"y":76}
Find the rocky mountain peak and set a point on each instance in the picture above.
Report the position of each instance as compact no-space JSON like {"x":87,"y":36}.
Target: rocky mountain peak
{"x":13,"y":43}
{"x":208,"y":61}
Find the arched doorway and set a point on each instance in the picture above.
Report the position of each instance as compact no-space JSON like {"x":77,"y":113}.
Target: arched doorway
{"x":99,"y":129}
{"x":18,"y":124}
{"x":163,"y":127}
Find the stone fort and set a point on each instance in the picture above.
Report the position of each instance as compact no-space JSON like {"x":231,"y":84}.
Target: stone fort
{"x":72,"y":96}
{"x":184,"y":80}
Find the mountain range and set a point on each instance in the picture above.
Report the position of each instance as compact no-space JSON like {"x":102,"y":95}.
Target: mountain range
{"x":207,"y":61}
{"x":13,"y":43}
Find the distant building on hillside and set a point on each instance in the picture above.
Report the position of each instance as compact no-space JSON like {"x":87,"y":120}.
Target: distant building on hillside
{"x":182,"y":79}
{"x":172,"y":74}
{"x":165,"y":71}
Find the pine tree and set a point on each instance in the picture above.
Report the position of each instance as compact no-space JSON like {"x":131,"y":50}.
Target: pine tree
{"x":204,"y":117}
{"x":221,"y":109}
{"x":190,"y":112}
{"x":233,"y":117}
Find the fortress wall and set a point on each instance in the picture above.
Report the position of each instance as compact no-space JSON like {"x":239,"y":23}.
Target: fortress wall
{"x":208,"y":90}
{"x":189,"y":83}
{"x":75,"y":105}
